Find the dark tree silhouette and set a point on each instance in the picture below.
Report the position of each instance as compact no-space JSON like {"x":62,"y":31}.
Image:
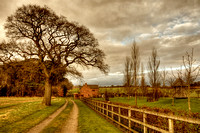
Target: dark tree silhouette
{"x":26,"y":78}
{"x":37,"y":32}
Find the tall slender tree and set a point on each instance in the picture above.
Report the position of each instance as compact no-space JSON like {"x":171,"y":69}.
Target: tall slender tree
{"x":154,"y":75}
{"x":143,"y":82}
{"x":171,"y":92}
{"x":135,"y":56}
{"x":128,"y":66}
{"x":191,"y":72}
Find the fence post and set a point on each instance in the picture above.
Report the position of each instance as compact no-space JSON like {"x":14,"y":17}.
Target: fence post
{"x":95,"y":105}
{"x":119,"y":114}
{"x":129,"y":118}
{"x":100,"y":107}
{"x":112,"y":111}
{"x":171,"y":126}
{"x":106,"y":110}
{"x":144,"y":121}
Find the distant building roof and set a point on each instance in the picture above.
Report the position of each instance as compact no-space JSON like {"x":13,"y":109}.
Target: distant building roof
{"x":179,"y":82}
{"x":92,"y":86}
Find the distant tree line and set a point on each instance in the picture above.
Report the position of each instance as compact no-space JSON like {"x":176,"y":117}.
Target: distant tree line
{"x":26,"y":78}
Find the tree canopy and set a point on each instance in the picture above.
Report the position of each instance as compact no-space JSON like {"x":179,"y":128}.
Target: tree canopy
{"x":26,"y":78}
{"x":37,"y":32}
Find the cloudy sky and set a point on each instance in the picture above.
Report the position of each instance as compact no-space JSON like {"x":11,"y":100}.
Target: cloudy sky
{"x":172,"y":26}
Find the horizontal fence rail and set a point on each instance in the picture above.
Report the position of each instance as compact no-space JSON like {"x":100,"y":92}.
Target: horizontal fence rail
{"x":139,"y":120}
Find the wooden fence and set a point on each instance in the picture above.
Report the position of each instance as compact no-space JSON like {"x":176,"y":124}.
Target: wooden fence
{"x":139,"y":120}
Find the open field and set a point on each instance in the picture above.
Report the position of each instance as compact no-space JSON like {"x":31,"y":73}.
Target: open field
{"x":123,"y":90}
{"x":180,"y":104}
{"x":18,"y":114}
{"x":90,"y":122}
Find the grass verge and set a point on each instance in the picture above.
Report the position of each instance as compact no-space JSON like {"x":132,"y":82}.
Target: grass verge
{"x":22,"y":117}
{"x":90,"y":122}
{"x":57,"y":124}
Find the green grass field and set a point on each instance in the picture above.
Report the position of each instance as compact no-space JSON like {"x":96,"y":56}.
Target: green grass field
{"x":18,"y":114}
{"x":123,"y":90}
{"x":180,"y":104}
{"x":90,"y":122}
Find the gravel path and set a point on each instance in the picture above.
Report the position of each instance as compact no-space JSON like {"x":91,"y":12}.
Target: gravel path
{"x":71,"y":125}
{"x":38,"y":128}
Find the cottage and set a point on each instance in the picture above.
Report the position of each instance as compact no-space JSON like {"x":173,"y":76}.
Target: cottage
{"x":88,"y":91}
{"x":180,"y":89}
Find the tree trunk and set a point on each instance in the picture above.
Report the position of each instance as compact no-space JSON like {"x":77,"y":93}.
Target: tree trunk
{"x":189,"y":107}
{"x":47,"y":93}
{"x":129,"y":90}
{"x":136,"y":97}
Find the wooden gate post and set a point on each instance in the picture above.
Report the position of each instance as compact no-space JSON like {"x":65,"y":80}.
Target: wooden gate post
{"x":171,"y":126}
{"x":144,"y":121}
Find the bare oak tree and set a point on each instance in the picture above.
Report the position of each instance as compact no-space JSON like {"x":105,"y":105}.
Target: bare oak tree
{"x":37,"y":32}
{"x":191,"y":72}
{"x":154,"y":76}
{"x":128,"y":66}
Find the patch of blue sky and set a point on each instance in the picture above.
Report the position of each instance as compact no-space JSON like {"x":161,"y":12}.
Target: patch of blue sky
{"x":128,"y":40}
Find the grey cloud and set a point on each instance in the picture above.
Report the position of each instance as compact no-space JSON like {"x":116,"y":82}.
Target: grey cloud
{"x":5,"y":9}
{"x":186,"y":28}
{"x":172,"y":26}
